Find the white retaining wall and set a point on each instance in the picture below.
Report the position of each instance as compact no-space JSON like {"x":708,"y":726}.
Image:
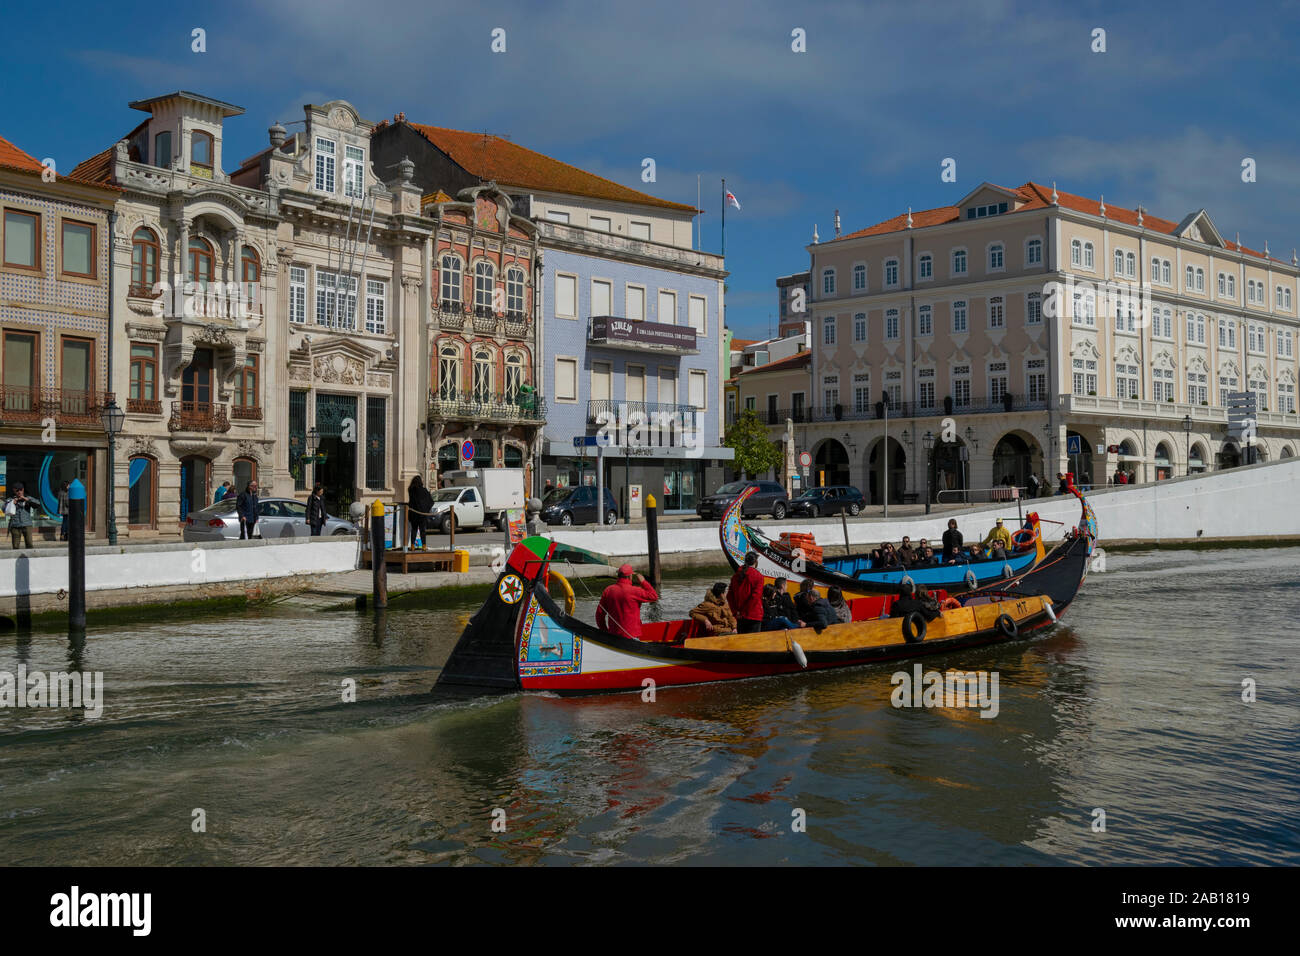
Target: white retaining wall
{"x":1260,"y":500}
{"x":46,"y":571}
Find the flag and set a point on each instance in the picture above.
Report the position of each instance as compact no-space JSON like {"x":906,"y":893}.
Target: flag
{"x":732,"y":200}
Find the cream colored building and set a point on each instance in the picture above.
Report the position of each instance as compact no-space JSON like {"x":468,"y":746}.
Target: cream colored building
{"x":1047,"y":332}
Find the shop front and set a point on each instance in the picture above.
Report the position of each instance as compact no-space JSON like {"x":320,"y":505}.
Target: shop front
{"x":42,"y":472}
{"x":677,"y":477}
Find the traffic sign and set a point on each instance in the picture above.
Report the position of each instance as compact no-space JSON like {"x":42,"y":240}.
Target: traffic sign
{"x":467,"y":450}
{"x":1074,"y":445}
{"x":805,"y":459}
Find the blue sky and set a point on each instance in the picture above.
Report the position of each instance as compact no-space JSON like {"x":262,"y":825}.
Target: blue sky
{"x":860,"y":122}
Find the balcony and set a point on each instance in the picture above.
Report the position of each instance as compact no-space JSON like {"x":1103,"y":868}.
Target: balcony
{"x":246,"y":413}
{"x":450,"y":320}
{"x":810,"y":414}
{"x":512,"y":325}
{"x":144,"y":406}
{"x":629,"y":335}
{"x":477,"y":407}
{"x":198,"y":417}
{"x":647,"y":413}
{"x":32,"y":405}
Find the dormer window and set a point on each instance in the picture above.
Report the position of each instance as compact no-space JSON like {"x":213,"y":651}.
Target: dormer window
{"x":354,"y":164}
{"x":982,"y":212}
{"x":201,"y":154}
{"x":162,"y":150}
{"x":325,"y":156}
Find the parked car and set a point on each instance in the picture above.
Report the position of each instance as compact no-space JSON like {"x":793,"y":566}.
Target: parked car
{"x":467,"y":503}
{"x":769,"y":499}
{"x":830,"y":500}
{"x":276,"y":518}
{"x":577,"y":505}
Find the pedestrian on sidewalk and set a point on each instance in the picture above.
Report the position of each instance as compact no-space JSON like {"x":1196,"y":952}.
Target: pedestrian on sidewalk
{"x":63,"y":511}
{"x":316,"y":510}
{"x":246,"y":507}
{"x":19,"y":509}
{"x":224,"y":491}
{"x":418,"y":505}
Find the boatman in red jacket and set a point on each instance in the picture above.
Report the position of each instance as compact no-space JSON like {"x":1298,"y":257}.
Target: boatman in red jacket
{"x":619,"y":610}
{"x":746,"y":596}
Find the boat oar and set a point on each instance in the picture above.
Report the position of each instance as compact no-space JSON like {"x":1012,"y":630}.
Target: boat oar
{"x":796,"y":650}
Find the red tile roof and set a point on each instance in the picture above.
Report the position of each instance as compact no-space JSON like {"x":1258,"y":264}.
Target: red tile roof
{"x":509,"y":164}
{"x":15,"y":158}
{"x":99,"y":168}
{"x":793,"y":361}
{"x":741,"y":343}
{"x":1036,"y":196}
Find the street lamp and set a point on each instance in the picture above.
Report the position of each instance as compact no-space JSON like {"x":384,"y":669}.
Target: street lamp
{"x":1187,"y":433}
{"x":928,"y":441}
{"x":113,"y":417}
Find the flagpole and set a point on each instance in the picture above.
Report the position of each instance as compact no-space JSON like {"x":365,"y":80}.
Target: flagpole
{"x":724,"y":218}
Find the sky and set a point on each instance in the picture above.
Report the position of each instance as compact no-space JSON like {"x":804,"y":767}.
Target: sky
{"x":860,"y":120}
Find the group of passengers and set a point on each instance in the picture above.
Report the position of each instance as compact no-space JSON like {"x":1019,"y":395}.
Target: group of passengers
{"x":996,"y":546}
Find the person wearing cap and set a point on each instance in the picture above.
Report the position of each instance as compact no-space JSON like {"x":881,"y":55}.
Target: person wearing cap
{"x":745,"y":595}
{"x":619,"y":610}
{"x":998,"y":535}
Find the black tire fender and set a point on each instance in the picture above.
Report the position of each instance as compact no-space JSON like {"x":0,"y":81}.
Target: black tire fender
{"x":1006,"y":625}
{"x":914,"y":628}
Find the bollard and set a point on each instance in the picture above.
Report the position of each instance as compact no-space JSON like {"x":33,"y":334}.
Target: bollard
{"x":652,"y":539}
{"x":76,"y":557}
{"x":378,"y":559}
{"x":844,"y":520}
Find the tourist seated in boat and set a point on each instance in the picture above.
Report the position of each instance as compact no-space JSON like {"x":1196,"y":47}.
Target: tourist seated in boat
{"x":998,"y":533}
{"x":619,"y":610}
{"x":745,"y":595}
{"x":784,"y":602}
{"x":927,"y":559}
{"x":912,"y":600}
{"x":814,"y":609}
{"x":774,"y":616}
{"x":835,"y":598}
{"x":997,"y":552}
{"x":952,"y":543}
{"x":885,"y":557}
{"x":906,"y":554}
{"x":713,"y":614}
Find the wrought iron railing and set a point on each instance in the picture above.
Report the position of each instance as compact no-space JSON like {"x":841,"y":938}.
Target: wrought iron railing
{"x":481,"y":407}
{"x":454,"y":317}
{"x":247,"y":413}
{"x":144,"y":406}
{"x":875,"y":410}
{"x":198,"y":417}
{"x":617,"y":412}
{"x":33,"y":404}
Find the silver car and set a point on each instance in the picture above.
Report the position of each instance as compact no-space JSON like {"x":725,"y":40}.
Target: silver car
{"x":276,"y":518}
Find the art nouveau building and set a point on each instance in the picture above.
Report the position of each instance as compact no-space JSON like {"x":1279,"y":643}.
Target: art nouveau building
{"x":1056,"y":332}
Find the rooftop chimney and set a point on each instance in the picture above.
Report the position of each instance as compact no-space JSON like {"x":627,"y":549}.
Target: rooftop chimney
{"x":837,"y":223}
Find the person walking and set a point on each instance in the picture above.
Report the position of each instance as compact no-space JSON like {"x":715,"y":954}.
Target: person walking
{"x":63,"y":511}
{"x":246,"y":508}
{"x":745,"y":595}
{"x":619,"y":610}
{"x":418,"y":505}
{"x":19,"y":510}
{"x":316,"y":510}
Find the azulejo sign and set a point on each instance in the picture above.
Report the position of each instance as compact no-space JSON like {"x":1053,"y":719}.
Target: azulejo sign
{"x":610,"y":329}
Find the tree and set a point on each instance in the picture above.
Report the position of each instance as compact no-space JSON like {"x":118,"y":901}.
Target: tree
{"x":754,"y":448}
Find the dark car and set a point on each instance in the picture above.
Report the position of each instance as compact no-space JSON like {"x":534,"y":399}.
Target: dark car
{"x":769,"y":499}
{"x":830,"y":500}
{"x":577,"y":505}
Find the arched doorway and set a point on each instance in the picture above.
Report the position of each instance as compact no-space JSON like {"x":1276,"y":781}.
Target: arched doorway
{"x":1229,"y":457}
{"x":950,"y":467}
{"x":196,"y":480}
{"x":142,"y":484}
{"x":876,"y":465}
{"x":1164,"y":467}
{"x":448,"y":459}
{"x":245,"y":470}
{"x":514,"y":456}
{"x":1127,"y":464}
{"x":1012,"y":461}
{"x":1286,"y":452}
{"x":832,"y":464}
{"x":483,"y":455}
{"x":1196,"y":459}
{"x":1079,"y":462}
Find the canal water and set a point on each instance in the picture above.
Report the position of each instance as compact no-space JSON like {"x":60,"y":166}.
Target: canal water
{"x":1132,"y":707}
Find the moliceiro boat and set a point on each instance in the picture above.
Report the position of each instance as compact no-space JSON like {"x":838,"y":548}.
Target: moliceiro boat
{"x":522,"y":639}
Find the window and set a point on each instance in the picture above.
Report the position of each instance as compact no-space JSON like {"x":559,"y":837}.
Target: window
{"x":325,"y":165}
{"x":891,"y":324}
{"x":566,"y":296}
{"x":751,"y":403}
{"x":667,"y":312}
{"x":860,"y":327}
{"x":997,"y":313}
{"x":555,"y":215}
{"x":1166,"y":275}
{"x":1085,"y":376}
{"x":996,"y":256}
{"x":1198,"y":389}
{"x":18,"y":374}
{"x":668,"y":386}
{"x":601,"y":382}
{"x":297,"y":294}
{"x":566,"y":379}
{"x":861,"y":392}
{"x":1130,"y":265}
{"x":1286,"y":397}
{"x":1119,"y":262}
{"x":997,"y":381}
{"x":449,"y":373}
{"x":481,"y":382}
{"x":1155,"y":269}
{"x":634,"y":383}
{"x":925,"y":388}
{"x":893,"y":389}
{"x":1200,"y":280}
{"x":200,"y":262}
{"x":698,"y":388}
{"x":250,"y":277}
{"x":75,"y":374}
{"x":515,"y":292}
{"x":336,"y":301}
{"x":698,"y":314}
{"x":1189,"y":276}
{"x":980,"y":212}
{"x":638,"y":230}
{"x":961,"y":386}
{"x":634,"y":303}
{"x":1284,"y":344}
{"x":959,"y":316}
{"x":1227,"y":334}
{"x":1034,"y":308}
{"x":514,"y":376}
{"x":925,"y":267}
{"x":376,"y":296}
{"x":924,"y":321}
{"x":959,"y":262}
{"x":828,"y":282}
{"x":485,"y":283}
{"x":1223,"y":283}
{"x":245,"y":393}
{"x":452,"y":283}
{"x":77,"y":249}
{"x":1085,"y":309}
{"x":1076,"y":252}
{"x":22,"y":240}
{"x":1036,"y":379}
{"x":1034,"y":252}
{"x":162,"y":150}
{"x":599,"y":223}
{"x":354,"y":172}
{"x":1260,"y":388}
{"x":1227,"y":383}
{"x":828,"y":330}
{"x":144,"y":262}
{"x":1200,"y":329}
{"x":1165,"y":327}
{"x":891,"y":273}
{"x":201,"y":153}
{"x":1087,"y":256}
{"x":1162,"y":384}
{"x":1126,"y":380}
{"x":141,"y":477}
{"x":143,"y":396}
{"x":859,"y":277}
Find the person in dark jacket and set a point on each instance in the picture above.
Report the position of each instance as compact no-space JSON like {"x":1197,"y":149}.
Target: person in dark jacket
{"x":745,"y":595}
{"x":910,"y":601}
{"x":835,"y":598}
{"x":774,"y":613}
{"x":419,"y":503}
{"x":952,"y":543}
{"x":316,"y":510}
{"x":63,"y":511}
{"x":246,"y":508}
{"x":814,"y":608}
{"x":784,"y":601}
{"x":19,"y":509}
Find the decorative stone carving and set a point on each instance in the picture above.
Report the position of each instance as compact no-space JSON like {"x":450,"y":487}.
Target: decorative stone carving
{"x":248,"y":449}
{"x":151,"y":333}
{"x":212,"y":334}
{"x":141,"y":446}
{"x":299,"y":373}
{"x":379,"y":380}
{"x":339,"y":369}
